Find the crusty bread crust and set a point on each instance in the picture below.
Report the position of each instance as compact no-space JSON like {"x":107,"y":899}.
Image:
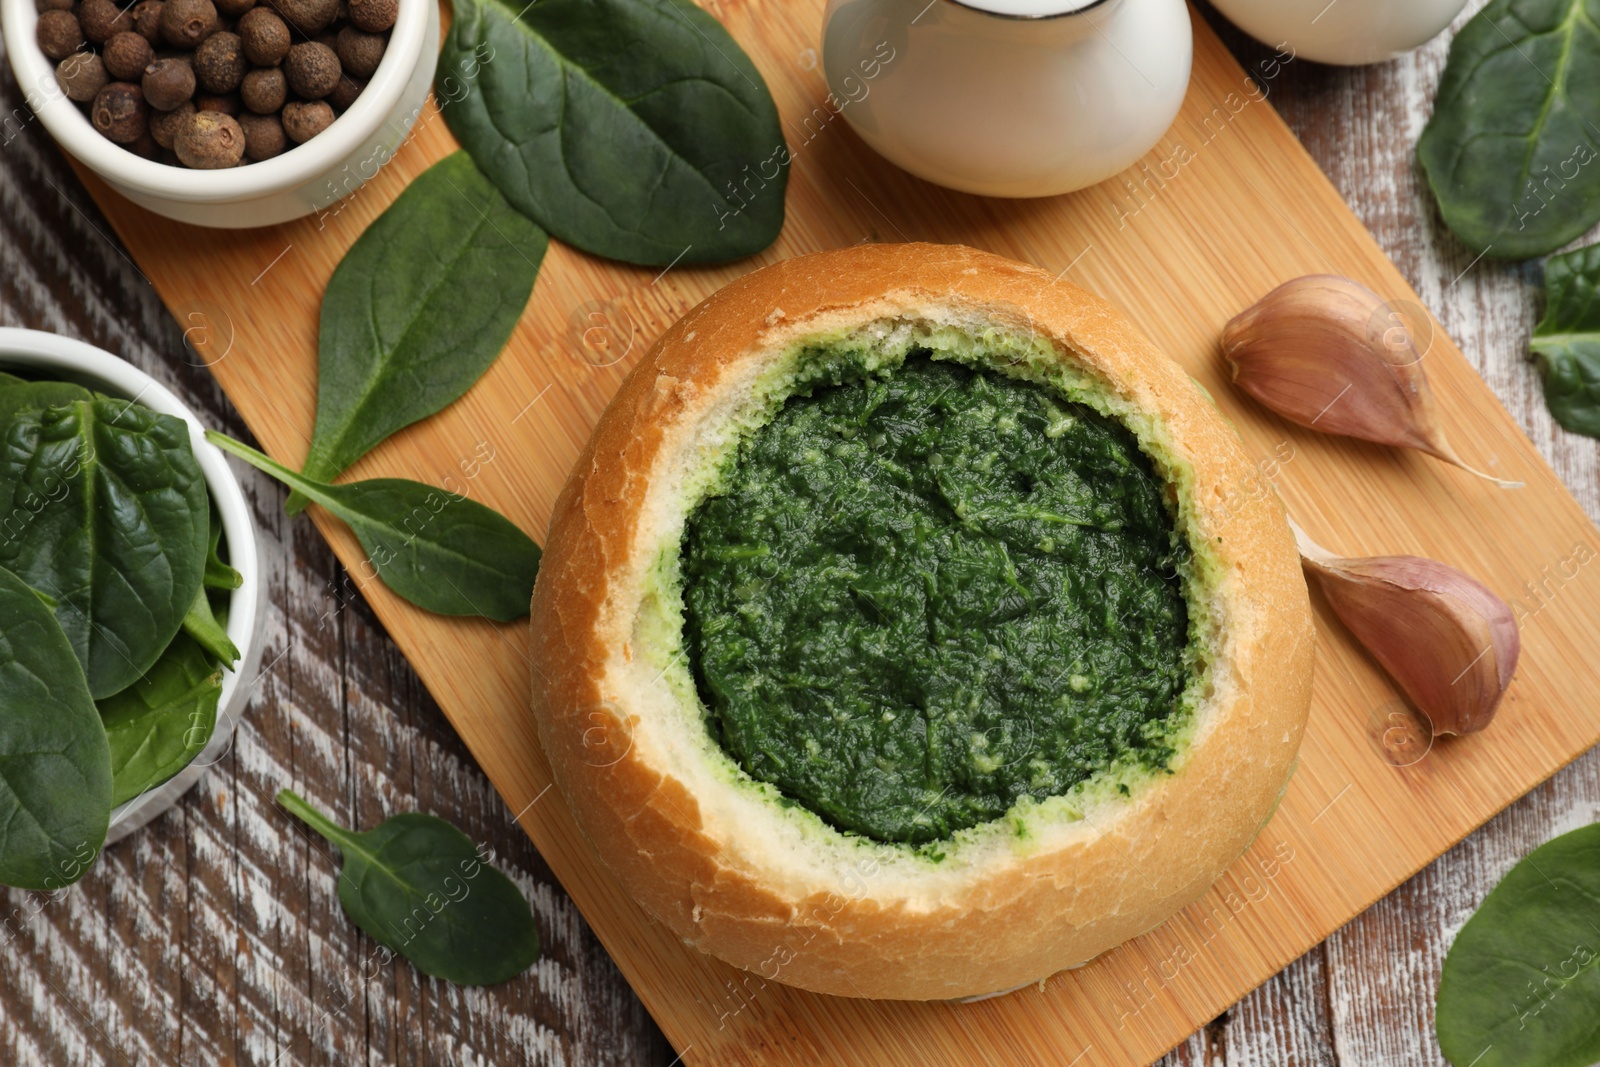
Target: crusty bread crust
{"x":728,"y":871}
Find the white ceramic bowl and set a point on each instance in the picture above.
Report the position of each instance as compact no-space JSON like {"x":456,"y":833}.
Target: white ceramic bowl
{"x":1346,"y":32}
{"x":32,"y":353}
{"x":1013,"y":98}
{"x":302,"y":180}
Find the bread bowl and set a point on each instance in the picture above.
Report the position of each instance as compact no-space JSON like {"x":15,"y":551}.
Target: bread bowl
{"x":715,"y":811}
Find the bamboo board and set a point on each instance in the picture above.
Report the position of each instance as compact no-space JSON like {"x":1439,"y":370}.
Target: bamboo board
{"x":1180,"y":247}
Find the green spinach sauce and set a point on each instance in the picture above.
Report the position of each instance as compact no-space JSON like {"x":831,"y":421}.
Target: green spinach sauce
{"x":921,"y":595}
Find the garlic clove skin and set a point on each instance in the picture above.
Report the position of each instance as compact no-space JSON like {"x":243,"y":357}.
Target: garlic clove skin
{"x":1445,"y":639}
{"x":1311,"y":351}
{"x":1331,"y":355}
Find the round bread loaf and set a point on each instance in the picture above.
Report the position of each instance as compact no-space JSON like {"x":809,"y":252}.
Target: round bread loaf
{"x":736,"y":868}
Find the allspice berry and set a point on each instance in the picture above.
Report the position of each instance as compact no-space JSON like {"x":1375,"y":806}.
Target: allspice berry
{"x":374,"y":16}
{"x":222,"y":103}
{"x":185,"y":23}
{"x":219,"y":63}
{"x":144,"y":146}
{"x":263,"y":136}
{"x":264,"y":37}
{"x":211,"y":84}
{"x":59,"y":34}
{"x":264,"y":90}
{"x":102,"y":18}
{"x":164,"y":125}
{"x":168,"y":83}
{"x":344,"y":94}
{"x":126,"y":54}
{"x":307,"y":16}
{"x":147,"y":20}
{"x":81,"y":75}
{"x":312,"y":69}
{"x":119,"y":112}
{"x":210,"y":141}
{"x":360,"y":52}
{"x":304,"y":119}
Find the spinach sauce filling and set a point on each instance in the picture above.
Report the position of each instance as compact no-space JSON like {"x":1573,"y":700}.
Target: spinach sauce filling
{"x":922,"y":595}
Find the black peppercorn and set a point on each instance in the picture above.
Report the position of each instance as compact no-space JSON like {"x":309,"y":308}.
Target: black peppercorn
{"x":185,"y":23}
{"x":119,"y":112}
{"x":101,"y":19}
{"x":263,"y":136}
{"x":126,"y":55}
{"x":264,"y":90}
{"x":360,"y":52}
{"x":307,"y":16}
{"x":164,"y":125}
{"x":304,"y":119}
{"x":168,"y":83}
{"x":219,"y":64}
{"x":210,"y":141}
{"x":312,"y":69}
{"x":264,"y":37}
{"x":59,"y":34}
{"x":81,"y":75}
{"x":374,"y":16}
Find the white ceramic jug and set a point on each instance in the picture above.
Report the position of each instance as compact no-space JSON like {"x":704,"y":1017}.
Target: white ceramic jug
{"x":1009,"y":97}
{"x":1347,"y":32}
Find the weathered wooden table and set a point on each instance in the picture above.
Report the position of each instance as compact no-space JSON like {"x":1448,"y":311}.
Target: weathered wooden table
{"x":213,"y":936}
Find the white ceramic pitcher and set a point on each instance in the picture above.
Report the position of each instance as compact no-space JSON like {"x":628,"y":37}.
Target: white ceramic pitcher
{"x":1009,"y":97}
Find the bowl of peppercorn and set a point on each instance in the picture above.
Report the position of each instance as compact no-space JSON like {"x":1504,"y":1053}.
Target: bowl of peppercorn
{"x":227,"y":113}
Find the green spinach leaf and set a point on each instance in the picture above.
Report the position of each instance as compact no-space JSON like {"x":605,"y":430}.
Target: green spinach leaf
{"x":418,"y":887}
{"x":55,"y":766}
{"x":24,"y":396}
{"x":1511,"y":150}
{"x":442,"y":552}
{"x":218,"y":574}
{"x":9,"y":379}
{"x":633,"y":129}
{"x":1522,"y":980}
{"x":202,"y":625}
{"x":418,"y":309}
{"x":1566,"y":343}
{"x":159,"y":724}
{"x":103,"y":507}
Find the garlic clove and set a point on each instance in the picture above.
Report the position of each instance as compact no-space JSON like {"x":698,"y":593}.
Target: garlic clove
{"x":1332,"y":355}
{"x":1445,"y":639}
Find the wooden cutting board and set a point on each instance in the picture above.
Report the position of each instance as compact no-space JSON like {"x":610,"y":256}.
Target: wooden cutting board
{"x":1223,"y":209}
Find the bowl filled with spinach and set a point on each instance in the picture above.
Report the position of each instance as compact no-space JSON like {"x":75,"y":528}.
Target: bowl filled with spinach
{"x":130,"y":603}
